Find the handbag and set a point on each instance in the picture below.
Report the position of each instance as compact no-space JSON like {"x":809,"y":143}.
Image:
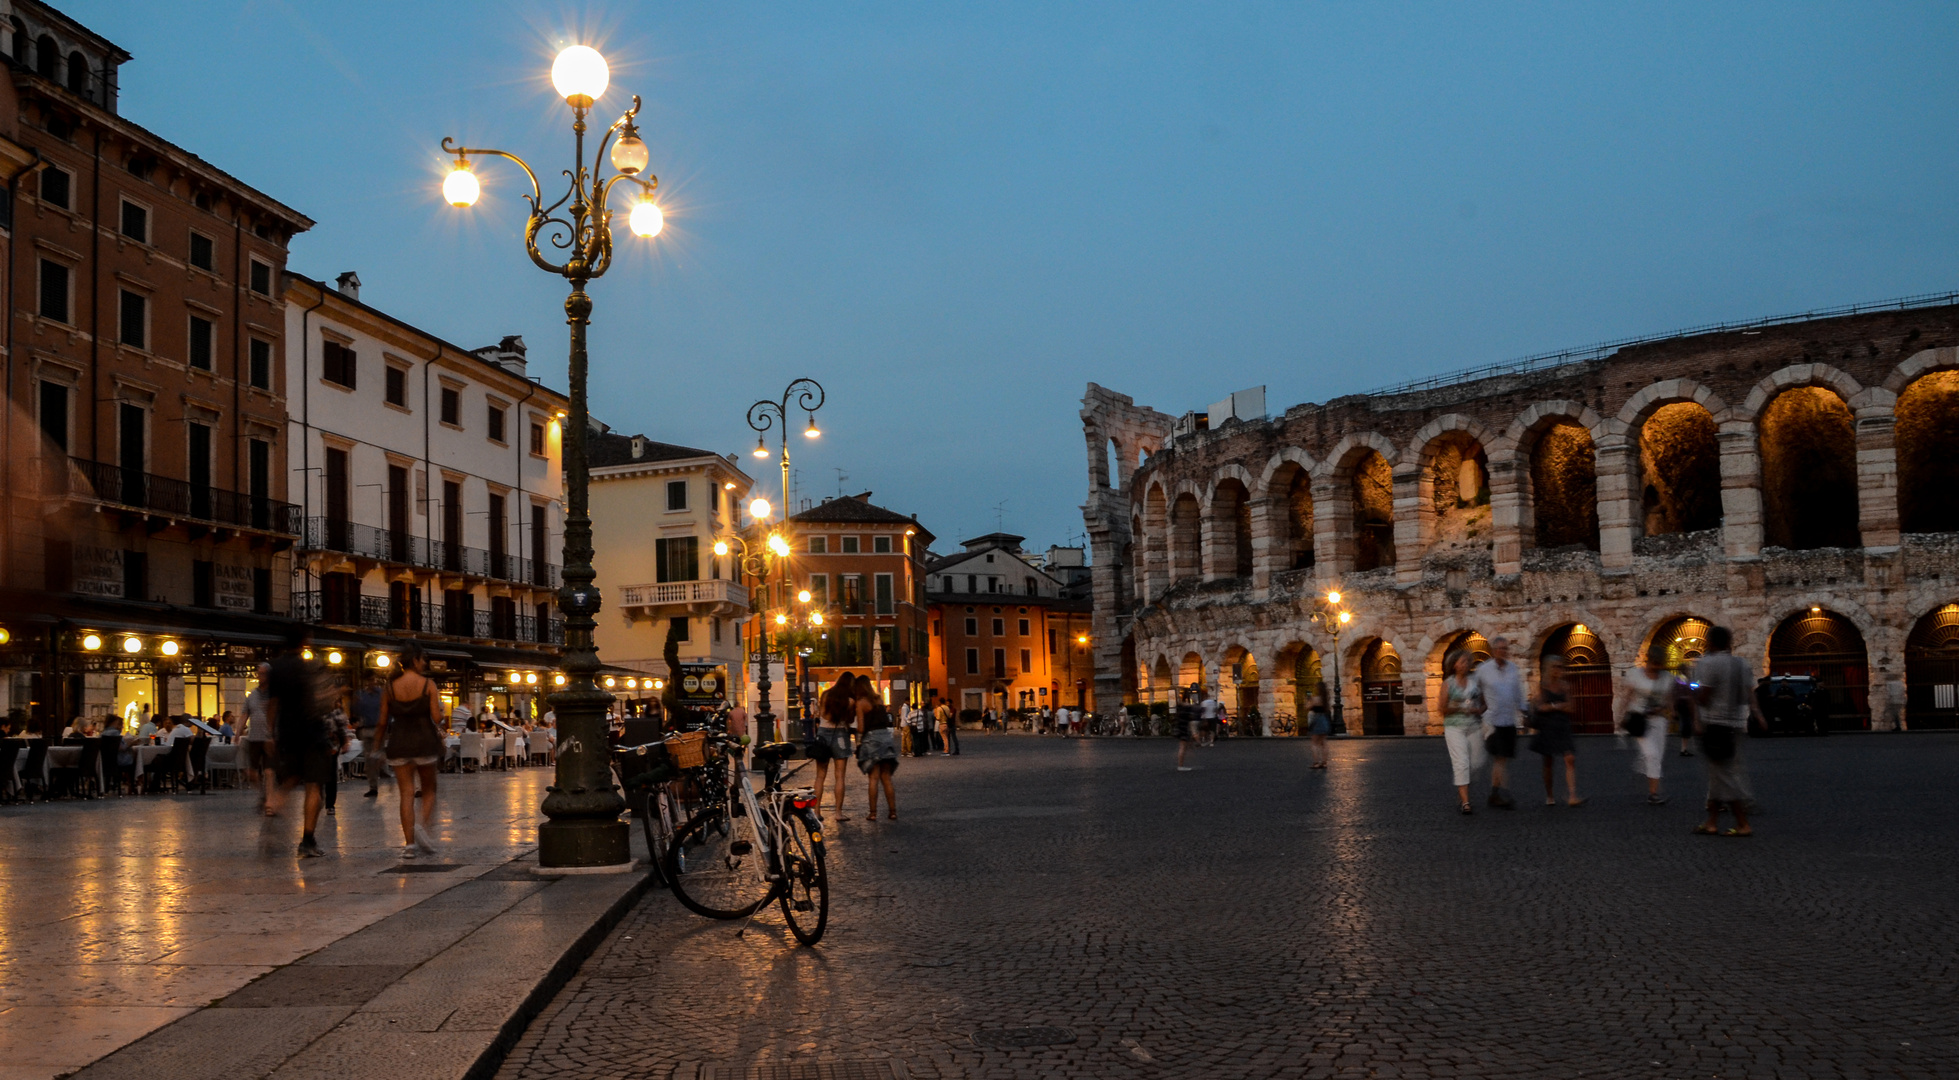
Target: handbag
{"x":1634,"y":724}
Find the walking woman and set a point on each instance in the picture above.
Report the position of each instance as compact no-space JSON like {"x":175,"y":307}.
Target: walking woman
{"x":1551,"y":716}
{"x":406,"y":733}
{"x":1462,"y":723}
{"x":1319,"y":724}
{"x":1654,"y":691}
{"x":877,"y":747}
{"x":836,"y":713}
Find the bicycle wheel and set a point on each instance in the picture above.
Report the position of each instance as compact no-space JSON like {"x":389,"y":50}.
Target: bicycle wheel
{"x":655,"y":819}
{"x":806,"y":884}
{"x":712,"y":866}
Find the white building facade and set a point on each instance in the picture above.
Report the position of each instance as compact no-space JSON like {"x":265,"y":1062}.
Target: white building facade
{"x":431,"y":487}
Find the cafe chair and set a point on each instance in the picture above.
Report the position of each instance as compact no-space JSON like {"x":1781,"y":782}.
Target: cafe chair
{"x":168,"y":766}
{"x":200,"y":750}
{"x":471,"y":750}
{"x":35,"y":772}
{"x":513,"y":748}
{"x":10,"y":750}
{"x":108,"y":763}
{"x":81,"y":778}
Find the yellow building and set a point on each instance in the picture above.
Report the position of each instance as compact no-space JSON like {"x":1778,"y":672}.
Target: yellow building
{"x":656,"y":512}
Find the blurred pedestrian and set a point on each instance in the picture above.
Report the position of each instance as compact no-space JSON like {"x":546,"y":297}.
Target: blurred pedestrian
{"x":1187,"y":730}
{"x":877,"y":746}
{"x":1502,"y":683}
{"x":367,"y":716}
{"x":1654,"y":691}
{"x":836,"y":715}
{"x":405,"y":731}
{"x":1210,"y":714}
{"x":1726,"y":696}
{"x":299,"y":726}
{"x":1319,"y":724}
{"x":1462,"y":723}
{"x":259,"y":755}
{"x":1551,"y":719}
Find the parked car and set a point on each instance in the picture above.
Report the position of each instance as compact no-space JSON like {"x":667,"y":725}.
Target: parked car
{"x":1793,"y":705}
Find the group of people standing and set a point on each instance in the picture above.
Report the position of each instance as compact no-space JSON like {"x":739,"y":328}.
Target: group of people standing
{"x":852,"y":710}
{"x":1485,"y":708}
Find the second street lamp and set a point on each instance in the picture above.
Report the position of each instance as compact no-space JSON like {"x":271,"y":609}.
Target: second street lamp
{"x":1332,"y":617}
{"x":583,"y":830}
{"x":763,"y":415}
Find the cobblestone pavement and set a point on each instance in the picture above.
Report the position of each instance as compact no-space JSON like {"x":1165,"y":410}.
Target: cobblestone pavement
{"x":1255,"y":919}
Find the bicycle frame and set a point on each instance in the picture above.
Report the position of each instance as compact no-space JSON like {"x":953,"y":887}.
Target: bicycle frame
{"x":766,"y":813}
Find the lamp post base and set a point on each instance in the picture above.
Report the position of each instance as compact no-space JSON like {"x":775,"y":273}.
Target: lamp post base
{"x":577,"y":844}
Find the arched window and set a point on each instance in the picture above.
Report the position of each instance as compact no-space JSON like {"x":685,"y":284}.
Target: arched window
{"x":1458,"y":482}
{"x":1231,"y":524}
{"x":1372,"y":489}
{"x":1928,"y":453}
{"x":78,"y":73}
{"x":1564,"y":487}
{"x":1809,"y":470}
{"x":1186,"y":538}
{"x":1679,"y":470}
{"x":47,"y":56}
{"x":17,"y":43}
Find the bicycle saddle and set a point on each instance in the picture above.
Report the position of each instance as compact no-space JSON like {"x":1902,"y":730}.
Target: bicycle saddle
{"x":778,"y":751}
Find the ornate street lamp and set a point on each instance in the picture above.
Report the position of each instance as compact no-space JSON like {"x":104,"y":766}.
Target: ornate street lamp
{"x":583,"y":829}
{"x":763,"y":415}
{"x":756,"y":564}
{"x":1332,"y":617}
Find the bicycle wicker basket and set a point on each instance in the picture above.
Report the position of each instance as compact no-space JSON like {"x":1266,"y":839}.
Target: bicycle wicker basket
{"x":688,"y":750}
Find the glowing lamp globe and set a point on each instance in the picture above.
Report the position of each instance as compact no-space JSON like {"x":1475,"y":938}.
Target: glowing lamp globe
{"x":720,"y":547}
{"x":777,"y":544}
{"x":460,"y":187}
{"x":817,"y":618}
{"x":580,"y":75}
{"x":132,"y":645}
{"x":629,"y":155}
{"x":759,"y":509}
{"x":803,"y":596}
{"x":646,"y":220}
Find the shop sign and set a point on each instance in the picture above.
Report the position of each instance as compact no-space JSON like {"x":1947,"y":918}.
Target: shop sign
{"x":96,"y":571}
{"x":702,"y":685}
{"x":232,"y":586}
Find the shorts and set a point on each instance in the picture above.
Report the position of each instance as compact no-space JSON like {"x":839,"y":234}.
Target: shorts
{"x":307,"y":764}
{"x":261,"y":755}
{"x":405,"y":762}
{"x":1502,"y":741}
{"x":831,"y":744}
{"x":1184,"y":732}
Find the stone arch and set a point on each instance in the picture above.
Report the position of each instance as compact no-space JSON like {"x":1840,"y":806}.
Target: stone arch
{"x":1190,"y":672}
{"x":1450,"y":459}
{"x":1807,"y":440}
{"x":1377,"y":668}
{"x":1589,"y":680}
{"x":1681,"y":637}
{"x":1361,"y":511}
{"x":1163,"y":680}
{"x":1228,"y":544}
{"x":1156,"y":525}
{"x":1831,"y":647}
{"x":1295,"y":677}
{"x":1648,"y":400}
{"x":1790,"y":378}
{"x":1932,"y":669}
{"x":1926,"y":434}
{"x":1678,"y":456}
{"x":1287,"y":499}
{"x":1553,"y":448}
{"x":1238,"y":681}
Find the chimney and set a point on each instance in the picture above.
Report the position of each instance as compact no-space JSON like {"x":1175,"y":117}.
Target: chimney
{"x":639,"y":447}
{"x":350,"y":285}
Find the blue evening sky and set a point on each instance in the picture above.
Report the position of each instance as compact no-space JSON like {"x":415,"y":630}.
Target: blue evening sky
{"x":956,"y":215}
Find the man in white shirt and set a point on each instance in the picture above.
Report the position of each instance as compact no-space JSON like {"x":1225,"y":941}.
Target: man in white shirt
{"x":1502,"y":683}
{"x":1209,"y":712}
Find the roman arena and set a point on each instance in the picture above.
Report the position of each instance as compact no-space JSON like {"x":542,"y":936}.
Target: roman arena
{"x":1796,"y":480}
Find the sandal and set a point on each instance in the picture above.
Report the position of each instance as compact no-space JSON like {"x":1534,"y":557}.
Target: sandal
{"x":893,"y":815}
{"x":1737,"y":832}
{"x":1706,"y":830}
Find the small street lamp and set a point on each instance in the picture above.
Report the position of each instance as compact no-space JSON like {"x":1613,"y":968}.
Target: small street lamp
{"x":757,"y":563}
{"x":584,"y":829}
{"x":763,"y":415}
{"x":1332,"y":617}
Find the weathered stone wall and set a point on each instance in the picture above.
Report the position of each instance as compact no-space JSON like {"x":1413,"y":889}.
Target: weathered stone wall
{"x":1672,"y":479}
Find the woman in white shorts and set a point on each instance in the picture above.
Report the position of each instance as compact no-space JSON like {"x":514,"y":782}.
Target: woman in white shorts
{"x":1654,"y":690}
{"x":406,"y":733}
{"x":1462,"y":723}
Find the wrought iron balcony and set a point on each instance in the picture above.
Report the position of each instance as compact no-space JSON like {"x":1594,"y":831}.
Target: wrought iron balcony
{"x":163,"y":496}
{"x":387,"y":545}
{"x":383,"y":613}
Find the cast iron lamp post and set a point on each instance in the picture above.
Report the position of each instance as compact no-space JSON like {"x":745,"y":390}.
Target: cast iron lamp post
{"x":757,"y":565}
{"x":583,"y":830}
{"x":1333,"y":618}
{"x":763,"y":415}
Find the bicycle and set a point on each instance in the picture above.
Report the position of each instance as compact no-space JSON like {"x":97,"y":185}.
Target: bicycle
{"x":650,"y":791}
{"x":735,"y":855}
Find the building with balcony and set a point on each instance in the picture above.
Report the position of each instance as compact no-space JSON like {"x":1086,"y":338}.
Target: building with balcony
{"x":428,"y":478}
{"x":657,"y":510}
{"x":143,"y":494}
{"x":864,"y":567}
{"x":1009,"y":631}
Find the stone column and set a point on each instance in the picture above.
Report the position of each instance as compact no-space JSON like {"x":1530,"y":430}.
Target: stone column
{"x":1413,"y":524}
{"x":1741,"y":492}
{"x":1269,"y":548}
{"x":1509,"y":480}
{"x":1217,"y":543}
{"x":1878,"y":518}
{"x":1333,"y":530}
{"x":1618,"y":503}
